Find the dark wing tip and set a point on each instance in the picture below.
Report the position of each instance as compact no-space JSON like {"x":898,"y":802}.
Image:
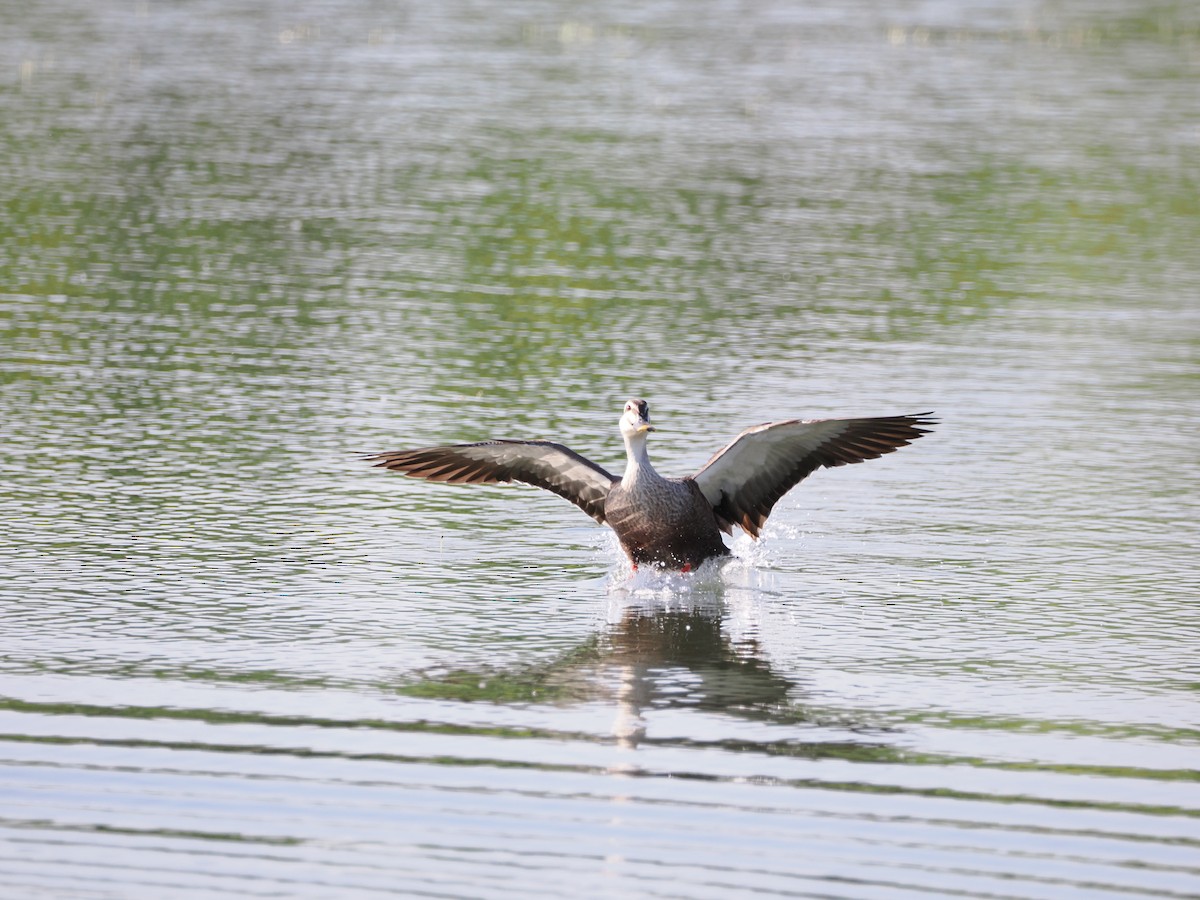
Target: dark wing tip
{"x":902,"y":429}
{"x":920,"y":424}
{"x":872,"y":438}
{"x":436,"y":464}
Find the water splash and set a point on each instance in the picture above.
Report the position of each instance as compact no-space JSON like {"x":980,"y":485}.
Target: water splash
{"x":762,"y":553}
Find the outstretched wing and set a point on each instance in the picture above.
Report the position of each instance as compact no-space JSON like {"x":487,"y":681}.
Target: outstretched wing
{"x":743,"y":480}
{"x":544,"y":464}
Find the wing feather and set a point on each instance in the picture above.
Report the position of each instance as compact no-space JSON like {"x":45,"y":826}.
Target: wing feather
{"x":543,"y":464}
{"x":745,"y":479}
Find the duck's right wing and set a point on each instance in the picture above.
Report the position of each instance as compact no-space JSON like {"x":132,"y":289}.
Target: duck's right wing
{"x":543,"y":464}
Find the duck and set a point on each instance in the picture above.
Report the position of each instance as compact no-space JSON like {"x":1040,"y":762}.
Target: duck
{"x":670,"y":523}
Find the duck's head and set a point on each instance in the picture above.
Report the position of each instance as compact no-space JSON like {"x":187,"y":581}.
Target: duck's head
{"x":636,"y":418}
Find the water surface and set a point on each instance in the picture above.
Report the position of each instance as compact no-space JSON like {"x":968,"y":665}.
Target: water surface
{"x":243,"y":246}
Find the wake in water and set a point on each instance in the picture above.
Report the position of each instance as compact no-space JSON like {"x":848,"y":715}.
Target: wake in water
{"x":730,"y":589}
{"x":739,"y":570}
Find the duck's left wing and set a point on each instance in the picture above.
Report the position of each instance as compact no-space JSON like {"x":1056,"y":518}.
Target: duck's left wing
{"x":744,"y":479}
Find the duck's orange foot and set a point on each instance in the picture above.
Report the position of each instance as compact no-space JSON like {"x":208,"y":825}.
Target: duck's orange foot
{"x":687,"y":567}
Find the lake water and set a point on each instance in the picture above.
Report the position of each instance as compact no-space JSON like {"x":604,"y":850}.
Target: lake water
{"x":243,"y":244}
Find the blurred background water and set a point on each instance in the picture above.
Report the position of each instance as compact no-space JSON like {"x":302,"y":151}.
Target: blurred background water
{"x":242,"y":243}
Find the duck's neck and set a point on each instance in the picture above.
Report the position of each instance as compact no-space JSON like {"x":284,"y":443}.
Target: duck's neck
{"x":638,"y":464}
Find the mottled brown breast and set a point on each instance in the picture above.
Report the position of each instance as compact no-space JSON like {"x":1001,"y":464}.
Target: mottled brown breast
{"x":664,"y":521}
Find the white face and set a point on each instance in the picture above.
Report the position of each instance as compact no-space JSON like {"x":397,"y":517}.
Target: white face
{"x":636,"y":418}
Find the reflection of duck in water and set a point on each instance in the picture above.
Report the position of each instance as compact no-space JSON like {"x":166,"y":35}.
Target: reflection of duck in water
{"x":683,"y":658}
{"x":657,"y":658}
{"x":672,"y":522}
{"x":650,"y":659}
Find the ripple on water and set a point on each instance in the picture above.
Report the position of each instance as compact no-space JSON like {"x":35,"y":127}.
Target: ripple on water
{"x":243,"y":248}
